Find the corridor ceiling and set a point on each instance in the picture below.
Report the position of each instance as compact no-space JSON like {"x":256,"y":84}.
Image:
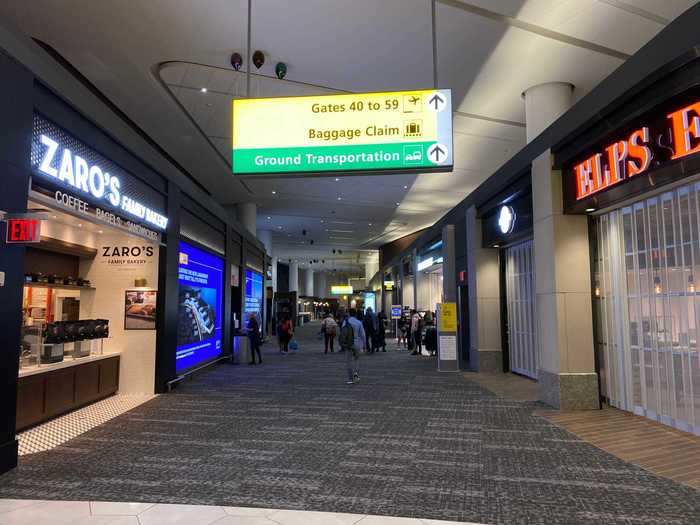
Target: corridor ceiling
{"x":153,"y":57}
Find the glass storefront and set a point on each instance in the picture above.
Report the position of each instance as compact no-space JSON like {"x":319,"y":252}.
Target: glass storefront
{"x":647,"y":307}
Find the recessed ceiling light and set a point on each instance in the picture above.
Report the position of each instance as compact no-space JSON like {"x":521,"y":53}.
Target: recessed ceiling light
{"x":405,"y":187}
{"x":100,"y":231}
{"x":398,"y":204}
{"x":589,"y":210}
{"x":337,"y":179}
{"x":203,"y":90}
{"x":274,"y":192}
{"x":268,"y":217}
{"x":340,"y":198}
{"x":55,"y":217}
{"x":370,"y":224}
{"x":80,"y":225}
{"x":279,"y":227}
{"x":322,"y":221}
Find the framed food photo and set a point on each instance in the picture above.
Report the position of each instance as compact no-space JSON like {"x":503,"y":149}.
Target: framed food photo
{"x":140,"y":309}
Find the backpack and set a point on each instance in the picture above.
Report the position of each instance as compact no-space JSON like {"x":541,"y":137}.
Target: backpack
{"x":347,"y":335}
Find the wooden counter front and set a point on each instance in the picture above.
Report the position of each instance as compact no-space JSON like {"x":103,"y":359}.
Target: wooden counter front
{"x":43,"y":395}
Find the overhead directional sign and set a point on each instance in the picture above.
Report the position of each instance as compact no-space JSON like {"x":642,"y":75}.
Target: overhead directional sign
{"x":404,"y":131}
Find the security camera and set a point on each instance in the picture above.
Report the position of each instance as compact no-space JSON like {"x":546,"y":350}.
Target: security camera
{"x":258,"y":59}
{"x":236,"y":61}
{"x":281,"y":70}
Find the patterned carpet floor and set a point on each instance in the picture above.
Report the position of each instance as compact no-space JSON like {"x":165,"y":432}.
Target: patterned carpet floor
{"x":406,"y":441}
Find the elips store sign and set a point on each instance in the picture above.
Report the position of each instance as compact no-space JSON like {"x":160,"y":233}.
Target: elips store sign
{"x":67,"y":164}
{"x":404,"y":131}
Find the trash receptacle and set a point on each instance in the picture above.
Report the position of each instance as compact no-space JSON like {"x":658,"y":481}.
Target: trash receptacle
{"x":241,"y":349}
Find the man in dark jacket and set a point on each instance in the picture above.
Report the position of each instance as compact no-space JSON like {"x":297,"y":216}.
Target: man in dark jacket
{"x":254,"y":338}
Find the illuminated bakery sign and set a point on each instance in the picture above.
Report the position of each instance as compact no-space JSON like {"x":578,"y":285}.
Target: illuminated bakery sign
{"x":68,"y":164}
{"x":650,"y":145}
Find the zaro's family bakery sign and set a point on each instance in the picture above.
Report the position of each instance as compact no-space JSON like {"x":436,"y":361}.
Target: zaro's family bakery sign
{"x":664,"y":138}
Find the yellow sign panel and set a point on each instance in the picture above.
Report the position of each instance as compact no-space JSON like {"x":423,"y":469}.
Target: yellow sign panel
{"x":404,"y":130}
{"x":341,"y":290}
{"x":447,"y":316}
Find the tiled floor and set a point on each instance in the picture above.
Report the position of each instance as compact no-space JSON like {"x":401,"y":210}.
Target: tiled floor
{"x":62,"y":429}
{"x":408,"y":441}
{"x":36,"y":512}
{"x":655,"y":447}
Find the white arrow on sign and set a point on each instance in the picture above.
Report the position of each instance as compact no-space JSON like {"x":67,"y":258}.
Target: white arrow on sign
{"x":437,"y":153}
{"x":436,"y":102}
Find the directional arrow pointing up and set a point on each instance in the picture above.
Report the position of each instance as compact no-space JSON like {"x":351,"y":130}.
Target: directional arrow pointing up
{"x":437,"y":153}
{"x":437,"y":101}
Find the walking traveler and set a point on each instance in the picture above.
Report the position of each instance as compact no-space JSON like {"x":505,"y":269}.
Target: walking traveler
{"x":380,"y":333}
{"x":368,"y":324}
{"x":286,"y":331}
{"x":416,"y":332}
{"x":329,"y":328}
{"x":352,"y":339}
{"x":254,"y":338}
{"x":402,"y":327}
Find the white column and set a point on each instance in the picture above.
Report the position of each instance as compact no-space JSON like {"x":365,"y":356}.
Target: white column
{"x":545,"y":103}
{"x":246,"y":213}
{"x":371,"y":268}
{"x":265,"y":237}
{"x":566,"y":371}
{"x":294,"y":277}
{"x":273,"y":262}
{"x":309,"y":280}
{"x":485,"y":346}
{"x":321,"y":285}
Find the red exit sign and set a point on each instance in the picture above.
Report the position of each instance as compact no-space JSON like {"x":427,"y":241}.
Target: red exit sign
{"x":23,"y":230}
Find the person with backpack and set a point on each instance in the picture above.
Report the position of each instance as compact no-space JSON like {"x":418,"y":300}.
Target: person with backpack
{"x":352,"y":341}
{"x":329,"y":328}
{"x":286,"y":331}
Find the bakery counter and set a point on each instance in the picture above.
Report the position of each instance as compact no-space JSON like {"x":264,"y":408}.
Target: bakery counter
{"x":47,"y":391}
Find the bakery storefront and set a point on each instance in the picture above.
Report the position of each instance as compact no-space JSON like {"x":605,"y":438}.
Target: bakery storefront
{"x":641,"y":186}
{"x":90,"y":298}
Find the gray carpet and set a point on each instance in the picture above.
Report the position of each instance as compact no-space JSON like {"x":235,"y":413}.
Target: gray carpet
{"x":406,"y":441}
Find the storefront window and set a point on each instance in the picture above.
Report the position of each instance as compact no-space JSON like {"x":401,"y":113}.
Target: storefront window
{"x":647,"y":321}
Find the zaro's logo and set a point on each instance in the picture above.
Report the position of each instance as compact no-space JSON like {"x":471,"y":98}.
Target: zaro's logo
{"x":634,"y":155}
{"x":127,"y":251}
{"x":74,"y":171}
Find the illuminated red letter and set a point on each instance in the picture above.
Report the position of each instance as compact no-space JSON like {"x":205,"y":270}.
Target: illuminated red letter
{"x":617,"y":153}
{"x":638,"y":151}
{"x":588,"y":176}
{"x":685,"y":130}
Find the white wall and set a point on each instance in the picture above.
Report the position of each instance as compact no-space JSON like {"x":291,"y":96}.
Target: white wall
{"x":112,"y":276}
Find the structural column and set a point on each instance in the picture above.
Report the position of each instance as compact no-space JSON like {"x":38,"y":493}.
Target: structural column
{"x":566,"y":372}
{"x":485,"y":347}
{"x":265,"y":237}
{"x":321,"y":285}
{"x":294,"y":277}
{"x":371,"y":268}
{"x":246,"y":213}
{"x":309,"y":282}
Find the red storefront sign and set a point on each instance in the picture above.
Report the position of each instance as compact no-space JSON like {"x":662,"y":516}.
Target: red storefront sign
{"x":23,"y":231}
{"x":675,"y":137}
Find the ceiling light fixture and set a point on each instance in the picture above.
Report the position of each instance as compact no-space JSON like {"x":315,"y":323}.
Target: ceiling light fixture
{"x":274,"y":192}
{"x":340,"y":198}
{"x":405,"y":187}
{"x":337,"y":179}
{"x":589,"y":210}
{"x":268,"y":217}
{"x":203,"y":90}
{"x":398,"y":204}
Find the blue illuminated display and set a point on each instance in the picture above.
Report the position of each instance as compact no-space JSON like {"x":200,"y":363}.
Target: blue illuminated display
{"x":201,"y":279}
{"x":253,"y":295}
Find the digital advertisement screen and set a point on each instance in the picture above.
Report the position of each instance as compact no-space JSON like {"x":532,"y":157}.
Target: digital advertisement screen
{"x":200,"y":307}
{"x":254,"y":286}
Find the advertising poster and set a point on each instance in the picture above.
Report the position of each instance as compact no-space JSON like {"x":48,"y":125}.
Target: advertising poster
{"x":199,"y":331}
{"x":140,"y":309}
{"x":253,"y":295}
